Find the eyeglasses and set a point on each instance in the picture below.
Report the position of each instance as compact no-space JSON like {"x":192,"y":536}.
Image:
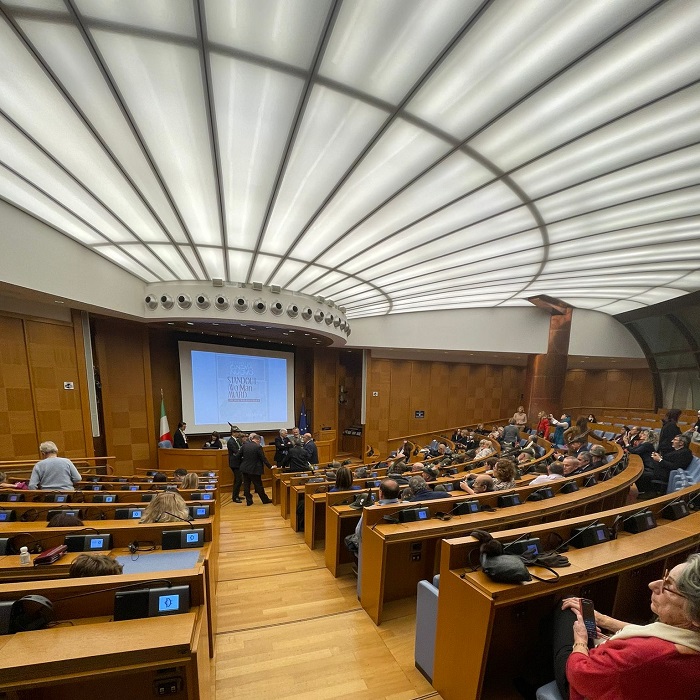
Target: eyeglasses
{"x":666,"y":585}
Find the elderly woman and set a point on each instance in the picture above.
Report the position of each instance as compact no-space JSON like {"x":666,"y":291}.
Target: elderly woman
{"x":485,"y":449}
{"x":659,"y":660}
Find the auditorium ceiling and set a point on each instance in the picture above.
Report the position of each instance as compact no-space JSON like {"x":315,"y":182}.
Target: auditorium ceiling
{"x":389,"y":155}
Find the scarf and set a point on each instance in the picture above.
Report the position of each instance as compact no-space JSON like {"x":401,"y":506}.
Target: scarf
{"x":669,"y":633}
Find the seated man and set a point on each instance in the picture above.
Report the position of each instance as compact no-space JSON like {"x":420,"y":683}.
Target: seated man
{"x":422,"y":492}
{"x":570,"y":464}
{"x":555,"y":471}
{"x":53,"y":472}
{"x":598,"y":456}
{"x":482,"y":484}
{"x":679,"y":458}
{"x":585,"y":463}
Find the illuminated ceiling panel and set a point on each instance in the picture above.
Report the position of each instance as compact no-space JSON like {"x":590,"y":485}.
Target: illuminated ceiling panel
{"x":391,"y":156}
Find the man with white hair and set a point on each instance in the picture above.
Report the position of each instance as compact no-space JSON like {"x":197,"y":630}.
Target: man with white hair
{"x":53,"y":472}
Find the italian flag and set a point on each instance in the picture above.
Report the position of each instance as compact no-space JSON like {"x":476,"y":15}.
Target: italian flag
{"x":164,"y":427}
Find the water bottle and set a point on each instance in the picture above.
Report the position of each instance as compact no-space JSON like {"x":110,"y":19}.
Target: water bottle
{"x":24,"y":558}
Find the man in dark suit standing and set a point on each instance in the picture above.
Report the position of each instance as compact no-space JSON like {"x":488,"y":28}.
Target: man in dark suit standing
{"x":282,"y":447}
{"x":310,"y":448}
{"x":253,"y":463}
{"x":234,"y":445}
{"x":180,"y":439}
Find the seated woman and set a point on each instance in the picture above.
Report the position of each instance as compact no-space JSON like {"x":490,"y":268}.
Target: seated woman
{"x":504,"y":475}
{"x":190,"y":481}
{"x":214,"y":443}
{"x":166,"y":507}
{"x":659,"y":660}
{"x":343,"y":481}
{"x":94,"y":565}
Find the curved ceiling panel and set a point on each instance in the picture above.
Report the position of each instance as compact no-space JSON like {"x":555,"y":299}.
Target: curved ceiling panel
{"x":394,"y":156}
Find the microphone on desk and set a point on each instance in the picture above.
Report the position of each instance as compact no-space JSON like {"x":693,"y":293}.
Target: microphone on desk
{"x":577,"y":534}
{"x":184,"y":520}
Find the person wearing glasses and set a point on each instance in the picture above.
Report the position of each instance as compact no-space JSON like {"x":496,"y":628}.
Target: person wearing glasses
{"x":658,"y":660}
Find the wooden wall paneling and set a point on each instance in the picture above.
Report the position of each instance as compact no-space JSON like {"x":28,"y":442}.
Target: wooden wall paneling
{"x":123,"y":353}
{"x":420,"y":398}
{"x":400,"y":398}
{"x":52,"y":361}
{"x":377,"y":407}
{"x":641,"y":389}
{"x":325,"y":393}
{"x":617,"y":388}
{"x":574,"y":387}
{"x":18,"y":433}
{"x":439,"y":390}
{"x":456,"y":393}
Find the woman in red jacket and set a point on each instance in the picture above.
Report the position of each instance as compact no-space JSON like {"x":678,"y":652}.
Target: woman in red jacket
{"x":659,"y":660}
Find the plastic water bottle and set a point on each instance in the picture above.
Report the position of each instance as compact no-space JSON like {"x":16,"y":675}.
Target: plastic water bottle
{"x":24,"y":558}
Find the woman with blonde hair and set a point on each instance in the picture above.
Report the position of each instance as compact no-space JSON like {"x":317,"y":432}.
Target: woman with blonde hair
{"x":190,"y":481}
{"x":166,"y":507}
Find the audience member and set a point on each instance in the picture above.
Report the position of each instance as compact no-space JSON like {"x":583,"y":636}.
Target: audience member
{"x":166,"y":507}
{"x":343,"y":481}
{"x":679,"y":458}
{"x":53,"y":473}
{"x":421,"y":491}
{"x":520,"y":418}
{"x":190,"y":481}
{"x":504,"y":474}
{"x":482,"y":484}
{"x":94,"y":565}
{"x":658,"y":660}
{"x":179,"y":474}
{"x":669,"y":430}
{"x":65,"y":520}
{"x":555,"y":471}
{"x":511,"y":433}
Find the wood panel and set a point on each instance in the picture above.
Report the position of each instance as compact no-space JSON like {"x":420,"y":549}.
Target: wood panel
{"x":18,"y":438}
{"x":609,"y":387}
{"x":124,"y":364}
{"x":451,"y":395}
{"x":52,"y":362}
{"x":324,"y":408}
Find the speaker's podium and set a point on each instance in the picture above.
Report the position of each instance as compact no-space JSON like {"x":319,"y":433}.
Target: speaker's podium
{"x":326,"y":443}
{"x":194,"y":460}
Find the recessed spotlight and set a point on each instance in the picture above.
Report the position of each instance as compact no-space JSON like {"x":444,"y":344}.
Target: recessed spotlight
{"x":171,"y":323}
{"x":306,"y":334}
{"x":56,"y":301}
{"x":214,"y":324}
{"x":189,"y":323}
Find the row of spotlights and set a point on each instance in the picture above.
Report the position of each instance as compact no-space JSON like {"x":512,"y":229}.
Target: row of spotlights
{"x":184,"y":301}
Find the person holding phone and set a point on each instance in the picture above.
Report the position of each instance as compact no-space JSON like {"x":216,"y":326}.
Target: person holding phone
{"x":659,"y":660}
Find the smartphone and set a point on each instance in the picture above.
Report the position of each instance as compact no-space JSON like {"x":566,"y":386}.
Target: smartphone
{"x":588,"y":613}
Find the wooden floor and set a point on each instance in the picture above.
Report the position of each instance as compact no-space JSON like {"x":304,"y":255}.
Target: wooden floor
{"x":288,"y":629}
